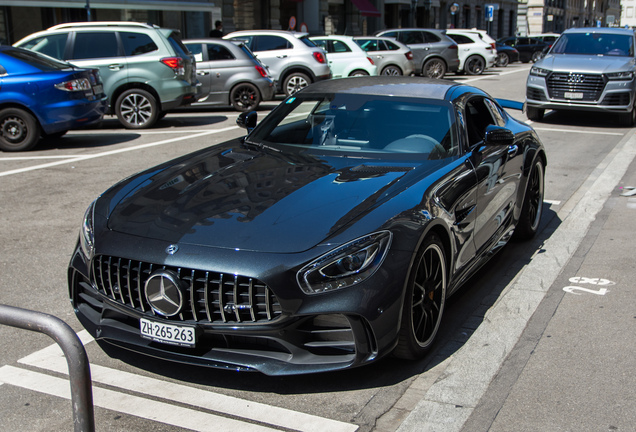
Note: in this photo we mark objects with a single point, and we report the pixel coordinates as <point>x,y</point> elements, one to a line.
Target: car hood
<point>259,200</point>
<point>585,63</point>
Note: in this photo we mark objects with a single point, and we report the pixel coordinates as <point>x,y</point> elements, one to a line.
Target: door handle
<point>512,150</point>
<point>203,73</point>
<point>115,67</point>
<point>282,56</point>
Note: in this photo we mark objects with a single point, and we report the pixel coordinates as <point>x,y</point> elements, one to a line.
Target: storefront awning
<point>366,8</point>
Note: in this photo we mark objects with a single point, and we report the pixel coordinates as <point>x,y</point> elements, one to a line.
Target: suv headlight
<point>87,234</point>
<point>622,76</point>
<point>346,265</point>
<point>539,72</point>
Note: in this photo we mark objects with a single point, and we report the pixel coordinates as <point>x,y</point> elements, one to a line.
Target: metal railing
<point>78,367</point>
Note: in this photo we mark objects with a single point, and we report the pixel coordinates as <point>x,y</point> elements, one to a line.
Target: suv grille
<point>208,296</point>
<point>591,86</point>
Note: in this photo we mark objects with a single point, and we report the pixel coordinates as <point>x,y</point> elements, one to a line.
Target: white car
<point>475,54</point>
<point>345,57</point>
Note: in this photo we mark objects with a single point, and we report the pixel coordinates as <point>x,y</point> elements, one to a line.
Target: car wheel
<point>536,56</point>
<point>532,204</point>
<point>19,130</point>
<point>245,97</point>
<point>503,60</point>
<point>474,65</point>
<point>423,301</point>
<point>392,70</point>
<point>627,119</point>
<point>357,73</point>
<point>535,114</point>
<point>294,82</point>
<point>434,68</point>
<point>137,109</point>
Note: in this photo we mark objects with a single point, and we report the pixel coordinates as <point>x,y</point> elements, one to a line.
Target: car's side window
<point>137,43</point>
<point>461,39</point>
<point>392,35</point>
<point>196,50</point>
<point>95,45</point>
<point>431,37</point>
<point>412,37</point>
<point>51,45</point>
<point>478,117</point>
<point>340,47</point>
<point>270,43</point>
<point>219,52</point>
<point>369,44</point>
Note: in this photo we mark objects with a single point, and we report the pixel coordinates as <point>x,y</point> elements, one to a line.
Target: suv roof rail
<point>102,24</point>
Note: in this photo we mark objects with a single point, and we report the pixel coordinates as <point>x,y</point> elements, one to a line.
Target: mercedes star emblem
<point>163,292</point>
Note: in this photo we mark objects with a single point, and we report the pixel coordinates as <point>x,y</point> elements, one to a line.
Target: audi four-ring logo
<point>164,293</point>
<point>576,78</point>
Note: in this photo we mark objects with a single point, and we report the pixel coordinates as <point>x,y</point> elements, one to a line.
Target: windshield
<point>357,124</point>
<point>40,61</point>
<point>595,43</point>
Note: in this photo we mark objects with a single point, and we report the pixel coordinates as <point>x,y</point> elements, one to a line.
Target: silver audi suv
<point>587,69</point>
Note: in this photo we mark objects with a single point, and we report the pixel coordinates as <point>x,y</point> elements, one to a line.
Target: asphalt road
<point>45,193</point>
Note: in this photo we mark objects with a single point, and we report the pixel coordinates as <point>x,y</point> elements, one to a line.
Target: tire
<point>503,60</point>
<point>434,68</point>
<point>245,97</point>
<point>137,109</point>
<point>358,73</point>
<point>294,82</point>
<point>627,119</point>
<point>535,114</point>
<point>424,301</point>
<point>474,65</point>
<point>532,209</point>
<point>19,130</point>
<point>536,56</point>
<point>391,70</point>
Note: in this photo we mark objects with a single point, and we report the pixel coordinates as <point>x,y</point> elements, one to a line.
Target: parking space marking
<point>586,132</point>
<point>52,359</point>
<point>113,152</point>
<point>483,77</point>
<point>128,404</point>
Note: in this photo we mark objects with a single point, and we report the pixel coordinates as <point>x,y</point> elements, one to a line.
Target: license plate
<point>168,333</point>
<point>98,89</point>
<point>573,95</point>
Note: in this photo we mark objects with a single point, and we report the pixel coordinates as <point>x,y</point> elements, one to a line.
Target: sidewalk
<point>545,358</point>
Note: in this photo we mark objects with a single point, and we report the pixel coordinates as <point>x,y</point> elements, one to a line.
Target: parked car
<point>146,69</point>
<point>330,237</point>
<point>475,55</point>
<point>506,55</point>
<point>345,57</point>
<point>530,50</point>
<point>43,97</point>
<point>587,69</point>
<point>434,53</point>
<point>390,56</point>
<point>294,61</point>
<point>230,74</point>
<point>549,38</point>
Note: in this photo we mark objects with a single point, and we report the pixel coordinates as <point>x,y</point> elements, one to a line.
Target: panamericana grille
<point>209,296</point>
<point>562,85</point>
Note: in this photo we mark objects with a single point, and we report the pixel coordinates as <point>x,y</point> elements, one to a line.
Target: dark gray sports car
<point>329,237</point>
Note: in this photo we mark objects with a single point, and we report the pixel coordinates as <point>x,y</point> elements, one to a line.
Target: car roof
<point>412,29</point>
<point>606,30</point>
<point>266,32</point>
<point>93,24</point>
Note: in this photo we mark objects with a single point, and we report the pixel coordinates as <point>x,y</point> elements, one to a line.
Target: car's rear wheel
<point>294,82</point>
<point>474,65</point>
<point>535,114</point>
<point>245,97</point>
<point>503,60</point>
<point>392,70</point>
<point>19,130</point>
<point>434,68</point>
<point>137,109</point>
<point>532,209</point>
<point>424,300</point>
<point>359,72</point>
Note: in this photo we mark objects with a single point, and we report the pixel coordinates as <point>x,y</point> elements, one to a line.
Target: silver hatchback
<point>587,69</point>
<point>390,56</point>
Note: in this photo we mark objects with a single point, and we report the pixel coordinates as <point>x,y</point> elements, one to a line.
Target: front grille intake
<point>208,296</point>
<point>575,87</point>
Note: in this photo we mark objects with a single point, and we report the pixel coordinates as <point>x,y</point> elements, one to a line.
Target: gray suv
<point>587,69</point>
<point>293,60</point>
<point>434,53</point>
<point>146,69</point>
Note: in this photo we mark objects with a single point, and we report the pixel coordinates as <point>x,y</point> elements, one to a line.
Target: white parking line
<point>586,132</point>
<point>52,359</point>
<point>483,77</point>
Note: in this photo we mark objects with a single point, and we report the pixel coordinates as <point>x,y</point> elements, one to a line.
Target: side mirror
<point>497,135</point>
<point>247,120</point>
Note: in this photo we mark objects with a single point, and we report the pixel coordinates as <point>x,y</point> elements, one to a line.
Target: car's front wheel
<point>424,300</point>
<point>532,209</point>
<point>19,130</point>
<point>627,119</point>
<point>474,65</point>
<point>536,56</point>
<point>294,82</point>
<point>245,97</point>
<point>535,114</point>
<point>503,60</point>
<point>434,68</point>
<point>137,109</point>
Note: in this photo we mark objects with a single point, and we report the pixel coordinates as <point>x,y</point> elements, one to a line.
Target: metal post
<point>78,367</point>
<point>88,10</point>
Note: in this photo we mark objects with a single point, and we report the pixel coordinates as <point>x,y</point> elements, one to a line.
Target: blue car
<point>44,97</point>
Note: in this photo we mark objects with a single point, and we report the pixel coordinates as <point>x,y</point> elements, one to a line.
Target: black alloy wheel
<point>424,300</point>
<point>532,209</point>
<point>245,97</point>
<point>475,65</point>
<point>19,130</point>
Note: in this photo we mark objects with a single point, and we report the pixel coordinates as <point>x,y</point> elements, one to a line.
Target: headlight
<point>624,76</point>
<point>347,265</point>
<point>539,72</point>
<point>87,235</point>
